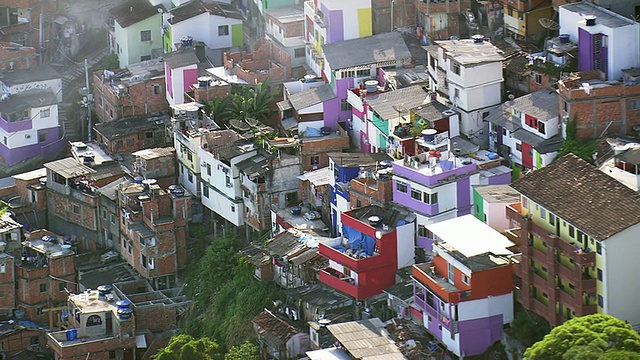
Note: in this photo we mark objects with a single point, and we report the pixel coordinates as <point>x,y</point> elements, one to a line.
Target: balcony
<point>539,281</point>
<point>578,255</point>
<point>567,299</point>
<point>514,212</point>
<point>351,262</point>
<point>59,340</point>
<point>437,284</point>
<point>513,235</point>
<point>341,282</point>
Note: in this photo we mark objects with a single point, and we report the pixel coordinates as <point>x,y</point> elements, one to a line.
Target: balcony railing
<point>340,282</point>
<point>357,265</point>
<point>59,339</point>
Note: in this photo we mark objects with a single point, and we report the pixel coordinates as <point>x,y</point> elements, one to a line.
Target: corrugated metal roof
<point>366,340</point>
<point>68,168</point>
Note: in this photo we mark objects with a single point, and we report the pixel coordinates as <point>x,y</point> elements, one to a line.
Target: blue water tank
<point>72,334</point>
<point>492,156</point>
<point>138,179</point>
<point>296,210</point>
<point>123,304</point>
<point>125,314</point>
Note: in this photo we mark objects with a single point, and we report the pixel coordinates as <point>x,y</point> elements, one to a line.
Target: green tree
<point>219,110</point>
<point>226,295</point>
<point>571,144</point>
<point>596,336</point>
<point>246,351</point>
<point>110,62</point>
<point>528,327</point>
<point>185,347</point>
<point>247,102</point>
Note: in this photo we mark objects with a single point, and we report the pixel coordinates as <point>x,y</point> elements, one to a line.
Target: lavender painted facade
<point>478,334</point>
<point>14,126</point>
<point>463,189</point>
<point>331,113</point>
<point>52,145</point>
<point>335,24</point>
<point>431,180</point>
<point>500,179</point>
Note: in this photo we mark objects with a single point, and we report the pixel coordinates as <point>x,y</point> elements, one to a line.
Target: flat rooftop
<point>90,153</point>
<point>603,16</point>
<point>366,339</point>
<point>470,237</point>
<point>469,52</point>
<point>89,302</point>
<point>306,220</point>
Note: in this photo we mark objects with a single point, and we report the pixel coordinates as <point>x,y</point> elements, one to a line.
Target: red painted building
<point>375,243</point>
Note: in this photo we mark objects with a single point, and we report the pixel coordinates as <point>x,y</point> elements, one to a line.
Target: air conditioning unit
<point>27,136</point>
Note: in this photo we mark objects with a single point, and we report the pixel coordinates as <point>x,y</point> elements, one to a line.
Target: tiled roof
<point>388,103</point>
<point>311,97</point>
<point>195,8</point>
<point>368,50</point>
<point>123,127</point>
<point>579,193</point>
<point>25,76</point>
<point>133,11</point>
<point>348,160</point>
<point>274,325</point>
<point>180,58</point>
<point>542,104</point>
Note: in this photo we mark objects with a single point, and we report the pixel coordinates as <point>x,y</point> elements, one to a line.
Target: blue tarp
<point>446,165</point>
<point>313,132</point>
<point>358,240</point>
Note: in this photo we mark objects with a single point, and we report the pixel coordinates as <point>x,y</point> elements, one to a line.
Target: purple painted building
<point>464,296</point>
<point>29,124</point>
<point>436,183</point>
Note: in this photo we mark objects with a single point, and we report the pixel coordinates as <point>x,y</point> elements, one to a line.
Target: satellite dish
<point>239,125</point>
<point>252,122</point>
<point>549,24</point>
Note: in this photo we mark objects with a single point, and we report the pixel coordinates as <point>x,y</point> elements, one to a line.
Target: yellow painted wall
<point>365,22</point>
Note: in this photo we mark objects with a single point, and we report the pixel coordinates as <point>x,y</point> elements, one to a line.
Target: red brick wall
<point>367,190</point>
<point>320,148</point>
<point>139,99</point>
<point>22,58</point>
<point>20,339</point>
<point>7,285</point>
<point>603,105</point>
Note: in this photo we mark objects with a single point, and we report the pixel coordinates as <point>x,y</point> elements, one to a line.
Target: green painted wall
<point>167,40</point>
<point>237,35</point>
<point>478,206</point>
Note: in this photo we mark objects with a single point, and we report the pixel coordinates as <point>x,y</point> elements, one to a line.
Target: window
<point>76,209</point>
<point>465,279</point>
<point>541,128</point>
<point>456,93</point>
<point>233,208</point>
<point>422,231</point>
<point>143,261</point>
<point>62,286</point>
<point>416,194</point>
<point>205,190</point>
<point>155,89</point>
<point>148,135</point>
<point>543,214</point>
<point>299,53</point>
<point>633,104</point>
<point>430,199</point>
<point>3,268</point>
<point>40,311</point>
<point>565,106</point>
<point>600,274</point>
<point>344,105</point>
<point>45,113</point>
<point>450,275</point>
<point>572,231</point>
<point>190,176</point>
<point>223,30</point>
<point>113,219</point>
<point>315,160</point>
<point>189,156</point>
<point>145,57</point>
<point>599,248</point>
<point>552,219</point>
<point>42,136</point>
<point>401,186</point>
<point>145,35</point>
<point>520,15</point>
<point>43,288</point>
<point>94,320</point>
<point>580,236</point>
<point>112,354</point>
<point>518,146</point>
<point>209,169</point>
<point>538,78</point>
<point>597,44</point>
<point>455,68</point>
<point>600,301</point>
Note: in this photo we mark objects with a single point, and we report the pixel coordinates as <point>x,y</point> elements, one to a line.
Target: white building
<point>527,130</point>
<point>606,41</point>
<point>217,25</point>
<point>334,21</point>
<point>220,153</point>
<point>473,69</point>
<point>29,123</point>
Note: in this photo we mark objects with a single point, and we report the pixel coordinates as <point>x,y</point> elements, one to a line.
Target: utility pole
<point>40,36</point>
<point>88,99</point>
